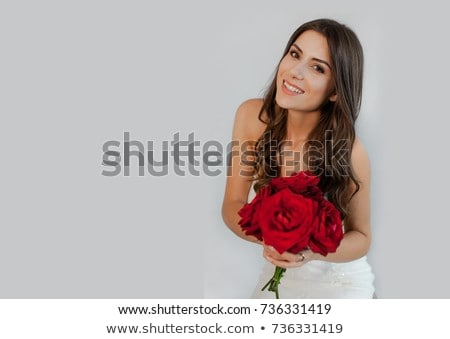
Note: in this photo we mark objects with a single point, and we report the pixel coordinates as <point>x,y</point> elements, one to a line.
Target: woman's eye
<point>319,69</point>
<point>294,54</point>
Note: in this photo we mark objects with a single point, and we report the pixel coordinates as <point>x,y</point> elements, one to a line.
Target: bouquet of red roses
<point>291,214</point>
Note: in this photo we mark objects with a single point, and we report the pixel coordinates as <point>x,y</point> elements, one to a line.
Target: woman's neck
<point>299,125</point>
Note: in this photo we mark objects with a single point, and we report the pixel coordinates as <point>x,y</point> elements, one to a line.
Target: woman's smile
<point>291,89</point>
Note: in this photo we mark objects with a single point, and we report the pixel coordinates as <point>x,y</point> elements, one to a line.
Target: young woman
<point>312,103</point>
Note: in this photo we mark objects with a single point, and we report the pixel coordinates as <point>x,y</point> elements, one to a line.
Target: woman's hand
<point>286,259</point>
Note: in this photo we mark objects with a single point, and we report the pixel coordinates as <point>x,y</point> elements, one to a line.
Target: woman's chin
<point>284,103</point>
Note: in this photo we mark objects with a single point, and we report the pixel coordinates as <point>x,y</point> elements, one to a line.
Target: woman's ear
<point>333,98</point>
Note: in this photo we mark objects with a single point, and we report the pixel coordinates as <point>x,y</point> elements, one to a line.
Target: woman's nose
<point>298,71</point>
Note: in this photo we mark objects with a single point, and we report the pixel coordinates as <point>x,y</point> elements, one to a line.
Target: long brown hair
<point>336,119</point>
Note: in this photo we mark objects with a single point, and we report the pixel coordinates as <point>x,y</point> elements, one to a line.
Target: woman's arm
<point>357,237</point>
<point>246,130</point>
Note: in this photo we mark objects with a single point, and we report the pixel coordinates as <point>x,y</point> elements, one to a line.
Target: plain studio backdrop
<point>77,75</point>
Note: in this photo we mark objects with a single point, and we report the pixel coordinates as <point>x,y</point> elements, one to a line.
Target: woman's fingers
<point>284,263</point>
<point>285,259</point>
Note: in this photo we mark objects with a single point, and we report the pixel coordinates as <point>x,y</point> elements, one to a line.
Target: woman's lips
<point>291,89</point>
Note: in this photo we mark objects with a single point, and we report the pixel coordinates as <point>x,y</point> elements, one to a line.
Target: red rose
<point>304,183</point>
<point>291,214</point>
<point>328,235</point>
<point>287,220</point>
<point>249,214</point>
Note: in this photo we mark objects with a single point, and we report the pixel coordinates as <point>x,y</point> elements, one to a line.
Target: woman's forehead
<point>314,44</point>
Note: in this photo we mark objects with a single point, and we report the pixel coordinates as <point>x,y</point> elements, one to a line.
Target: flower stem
<point>275,281</point>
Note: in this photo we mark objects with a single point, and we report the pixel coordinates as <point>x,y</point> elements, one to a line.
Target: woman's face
<point>304,79</point>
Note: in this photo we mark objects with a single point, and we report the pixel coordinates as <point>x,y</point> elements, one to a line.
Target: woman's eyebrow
<point>316,59</point>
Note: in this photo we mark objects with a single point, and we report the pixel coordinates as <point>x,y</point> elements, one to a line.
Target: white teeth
<point>292,89</point>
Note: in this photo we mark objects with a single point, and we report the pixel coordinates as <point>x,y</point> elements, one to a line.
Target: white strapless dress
<point>319,279</point>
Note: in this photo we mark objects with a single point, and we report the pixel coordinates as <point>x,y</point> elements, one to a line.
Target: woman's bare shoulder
<point>359,151</point>
<point>247,123</point>
<point>360,159</point>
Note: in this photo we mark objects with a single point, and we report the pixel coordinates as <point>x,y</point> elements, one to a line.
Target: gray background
<point>75,75</point>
